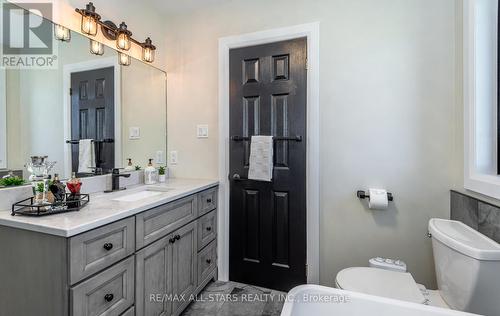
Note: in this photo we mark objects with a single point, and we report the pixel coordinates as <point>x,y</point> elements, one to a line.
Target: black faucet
<point>115,180</point>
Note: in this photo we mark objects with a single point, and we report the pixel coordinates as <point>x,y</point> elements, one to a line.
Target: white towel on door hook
<point>86,156</point>
<point>261,158</point>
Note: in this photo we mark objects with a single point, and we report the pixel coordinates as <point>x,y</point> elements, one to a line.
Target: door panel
<point>268,219</point>
<point>184,265</point>
<point>92,114</point>
<point>154,276</point>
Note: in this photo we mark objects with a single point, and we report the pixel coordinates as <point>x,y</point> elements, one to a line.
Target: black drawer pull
<point>108,246</point>
<point>177,237</point>
<point>209,261</point>
<point>209,200</point>
<point>209,228</point>
<point>108,297</point>
<point>171,240</point>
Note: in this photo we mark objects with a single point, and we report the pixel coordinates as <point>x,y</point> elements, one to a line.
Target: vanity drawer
<point>207,201</point>
<point>111,292</point>
<point>207,229</point>
<point>97,249</point>
<point>207,261</point>
<point>162,220</point>
<point>129,312</point>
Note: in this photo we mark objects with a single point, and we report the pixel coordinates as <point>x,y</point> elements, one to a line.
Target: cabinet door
<point>184,266</point>
<point>154,278</point>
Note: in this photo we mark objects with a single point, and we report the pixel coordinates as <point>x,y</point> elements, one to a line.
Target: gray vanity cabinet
<point>148,264</point>
<point>166,273</point>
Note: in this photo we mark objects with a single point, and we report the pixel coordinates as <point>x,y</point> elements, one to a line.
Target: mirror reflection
<point>89,114</point>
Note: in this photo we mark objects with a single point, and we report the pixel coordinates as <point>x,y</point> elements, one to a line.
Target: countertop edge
<point>106,220</point>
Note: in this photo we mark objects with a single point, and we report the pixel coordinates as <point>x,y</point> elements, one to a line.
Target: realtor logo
<point>27,38</point>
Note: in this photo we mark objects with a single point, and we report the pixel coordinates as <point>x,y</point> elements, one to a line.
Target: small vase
<point>162,178</point>
<point>40,191</point>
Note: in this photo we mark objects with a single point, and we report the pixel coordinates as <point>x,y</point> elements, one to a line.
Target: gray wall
<point>389,105</point>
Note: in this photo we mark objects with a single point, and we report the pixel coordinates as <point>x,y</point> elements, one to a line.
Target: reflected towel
<point>261,158</point>
<point>86,156</point>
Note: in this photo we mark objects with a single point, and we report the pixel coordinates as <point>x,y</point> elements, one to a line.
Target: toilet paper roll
<point>378,199</point>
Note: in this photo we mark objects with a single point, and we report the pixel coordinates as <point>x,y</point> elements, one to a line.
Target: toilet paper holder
<point>362,195</point>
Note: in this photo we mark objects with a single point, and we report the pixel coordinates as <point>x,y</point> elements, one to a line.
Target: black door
<point>93,114</point>
<point>268,219</point>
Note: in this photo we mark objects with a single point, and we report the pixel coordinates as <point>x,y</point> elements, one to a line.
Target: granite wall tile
<point>464,209</point>
<point>489,221</point>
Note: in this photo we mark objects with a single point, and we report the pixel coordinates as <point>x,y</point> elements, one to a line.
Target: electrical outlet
<point>159,157</point>
<point>173,157</point>
<point>202,131</point>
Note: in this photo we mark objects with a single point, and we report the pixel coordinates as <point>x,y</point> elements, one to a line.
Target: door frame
<point>84,66</point>
<point>311,32</point>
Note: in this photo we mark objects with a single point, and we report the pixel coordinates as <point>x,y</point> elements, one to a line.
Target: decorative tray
<point>71,203</point>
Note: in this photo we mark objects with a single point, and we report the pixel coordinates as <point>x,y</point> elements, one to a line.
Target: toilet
<point>467,267</point>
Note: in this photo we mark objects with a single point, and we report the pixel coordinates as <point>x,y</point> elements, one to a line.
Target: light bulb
<point>96,48</point>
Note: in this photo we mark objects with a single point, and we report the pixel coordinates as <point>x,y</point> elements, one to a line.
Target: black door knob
<point>209,200</point>
<point>177,237</point>
<point>108,246</point>
<point>171,240</point>
<point>108,297</point>
<point>209,228</point>
<point>209,261</point>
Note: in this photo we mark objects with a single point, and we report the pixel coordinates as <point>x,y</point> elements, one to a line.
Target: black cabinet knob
<point>108,297</point>
<point>209,200</point>
<point>209,261</point>
<point>171,240</point>
<point>108,246</point>
<point>177,237</point>
<point>209,228</point>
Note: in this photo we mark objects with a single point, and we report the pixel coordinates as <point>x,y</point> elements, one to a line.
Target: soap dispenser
<point>150,173</point>
<point>129,166</point>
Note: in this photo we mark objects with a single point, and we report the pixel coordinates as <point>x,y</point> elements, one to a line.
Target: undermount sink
<point>148,192</point>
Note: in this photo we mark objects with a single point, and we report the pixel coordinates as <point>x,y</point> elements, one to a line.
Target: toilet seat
<point>385,283</point>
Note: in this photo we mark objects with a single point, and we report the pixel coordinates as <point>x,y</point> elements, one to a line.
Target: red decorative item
<point>74,187</point>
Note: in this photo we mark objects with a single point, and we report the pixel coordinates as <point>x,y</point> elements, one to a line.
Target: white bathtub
<point>304,301</point>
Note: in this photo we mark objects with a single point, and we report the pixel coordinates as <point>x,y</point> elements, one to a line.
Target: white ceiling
<point>182,6</point>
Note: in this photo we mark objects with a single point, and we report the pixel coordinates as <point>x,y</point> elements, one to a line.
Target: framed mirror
<point>89,113</point>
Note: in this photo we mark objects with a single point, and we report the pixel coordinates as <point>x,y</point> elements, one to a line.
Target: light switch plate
<point>134,133</point>
<point>202,131</point>
<point>173,157</point>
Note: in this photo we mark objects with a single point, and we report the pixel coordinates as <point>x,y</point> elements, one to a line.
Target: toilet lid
<point>385,283</point>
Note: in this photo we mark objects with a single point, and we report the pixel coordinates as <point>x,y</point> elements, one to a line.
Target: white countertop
<point>103,209</point>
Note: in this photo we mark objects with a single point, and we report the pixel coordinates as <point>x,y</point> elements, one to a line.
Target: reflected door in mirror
<point>92,114</point>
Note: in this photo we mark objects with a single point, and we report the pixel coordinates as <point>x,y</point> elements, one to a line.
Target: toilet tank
<point>467,267</point>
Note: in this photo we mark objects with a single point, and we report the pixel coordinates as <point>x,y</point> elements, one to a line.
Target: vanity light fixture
<point>90,19</point>
<point>62,33</point>
<point>148,51</point>
<point>123,59</point>
<point>96,48</point>
<point>123,37</point>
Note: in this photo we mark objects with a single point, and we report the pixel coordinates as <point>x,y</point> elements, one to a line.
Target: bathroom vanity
<point>126,253</point>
